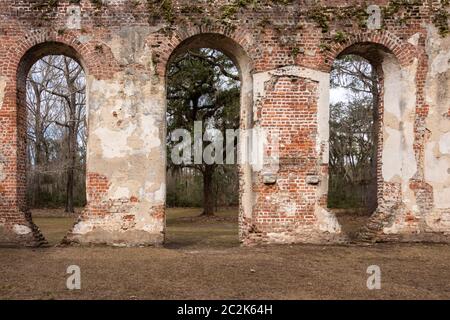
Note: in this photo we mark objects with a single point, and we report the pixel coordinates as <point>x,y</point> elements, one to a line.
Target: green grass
<point>184,228</point>
<point>54,228</point>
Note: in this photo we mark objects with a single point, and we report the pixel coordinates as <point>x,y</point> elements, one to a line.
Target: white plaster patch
<point>150,133</point>
<point>73,17</point>
<point>437,147</point>
<point>414,39</point>
<point>436,168</point>
<point>2,172</point>
<point>287,206</point>
<point>114,143</point>
<point>160,195</point>
<point>394,229</point>
<point>442,198</point>
<point>392,167</point>
<point>83,227</point>
<point>84,38</point>
<point>128,44</point>
<point>398,157</point>
<point>121,192</point>
<point>145,222</point>
<point>441,63</point>
<point>436,173</point>
<point>444,143</point>
<point>283,238</point>
<point>134,107</point>
<point>157,196</point>
<point>107,89</point>
<point>2,90</point>
<point>21,229</point>
<point>327,221</point>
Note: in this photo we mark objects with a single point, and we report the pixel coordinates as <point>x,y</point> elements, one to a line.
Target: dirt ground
<point>203,260</point>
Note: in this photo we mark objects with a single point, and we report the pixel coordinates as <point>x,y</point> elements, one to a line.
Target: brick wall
<point>124,47</point>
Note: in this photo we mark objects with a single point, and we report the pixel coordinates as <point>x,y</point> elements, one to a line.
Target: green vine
<point>324,16</point>
<point>440,20</point>
<point>394,6</point>
<point>97,3</point>
<point>340,37</point>
<point>46,4</point>
<point>192,9</point>
<point>164,8</point>
<point>295,52</point>
<point>46,8</point>
<point>319,16</point>
<point>230,10</point>
<point>324,47</point>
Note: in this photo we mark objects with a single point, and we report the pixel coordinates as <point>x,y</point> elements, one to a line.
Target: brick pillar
<point>16,226</point>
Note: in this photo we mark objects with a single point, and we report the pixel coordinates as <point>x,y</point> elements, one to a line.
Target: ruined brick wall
<point>284,50</point>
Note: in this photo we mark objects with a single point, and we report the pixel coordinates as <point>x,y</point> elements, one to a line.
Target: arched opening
<point>52,127</point>
<point>356,133</point>
<point>209,95</point>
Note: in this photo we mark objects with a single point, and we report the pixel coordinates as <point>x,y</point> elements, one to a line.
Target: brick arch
<point>96,59</point>
<point>19,58</point>
<point>241,39</point>
<point>403,51</point>
<point>236,45</point>
<point>378,48</point>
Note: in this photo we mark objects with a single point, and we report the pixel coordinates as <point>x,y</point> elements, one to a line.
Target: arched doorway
<point>354,121</point>
<point>392,162</point>
<point>52,138</point>
<point>235,65</point>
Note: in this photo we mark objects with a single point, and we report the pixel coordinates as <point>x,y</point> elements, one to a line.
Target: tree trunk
<point>208,198</point>
<point>372,192</point>
<point>73,129</point>
<point>39,142</point>
<point>70,170</point>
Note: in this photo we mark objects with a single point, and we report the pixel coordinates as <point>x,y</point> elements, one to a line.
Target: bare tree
<point>57,120</point>
<point>354,133</point>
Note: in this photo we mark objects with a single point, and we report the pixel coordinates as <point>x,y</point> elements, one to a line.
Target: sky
<point>338,94</point>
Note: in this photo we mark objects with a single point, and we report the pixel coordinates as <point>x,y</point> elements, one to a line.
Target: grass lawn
<point>203,260</point>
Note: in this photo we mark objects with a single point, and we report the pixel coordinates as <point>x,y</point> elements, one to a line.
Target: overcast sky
<point>338,94</point>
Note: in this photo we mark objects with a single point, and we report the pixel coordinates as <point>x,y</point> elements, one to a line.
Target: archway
<point>217,47</point>
<point>393,151</point>
<point>51,109</point>
<point>354,129</point>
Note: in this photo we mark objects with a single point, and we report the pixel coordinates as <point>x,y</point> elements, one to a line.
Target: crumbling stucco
<point>2,171</point>
<point>129,45</point>
<point>127,129</point>
<point>73,17</point>
<point>437,144</point>
<point>21,229</point>
<point>437,148</point>
<point>2,89</point>
<point>399,162</point>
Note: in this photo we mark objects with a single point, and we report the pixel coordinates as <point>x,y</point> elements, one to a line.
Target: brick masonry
<point>284,50</point>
